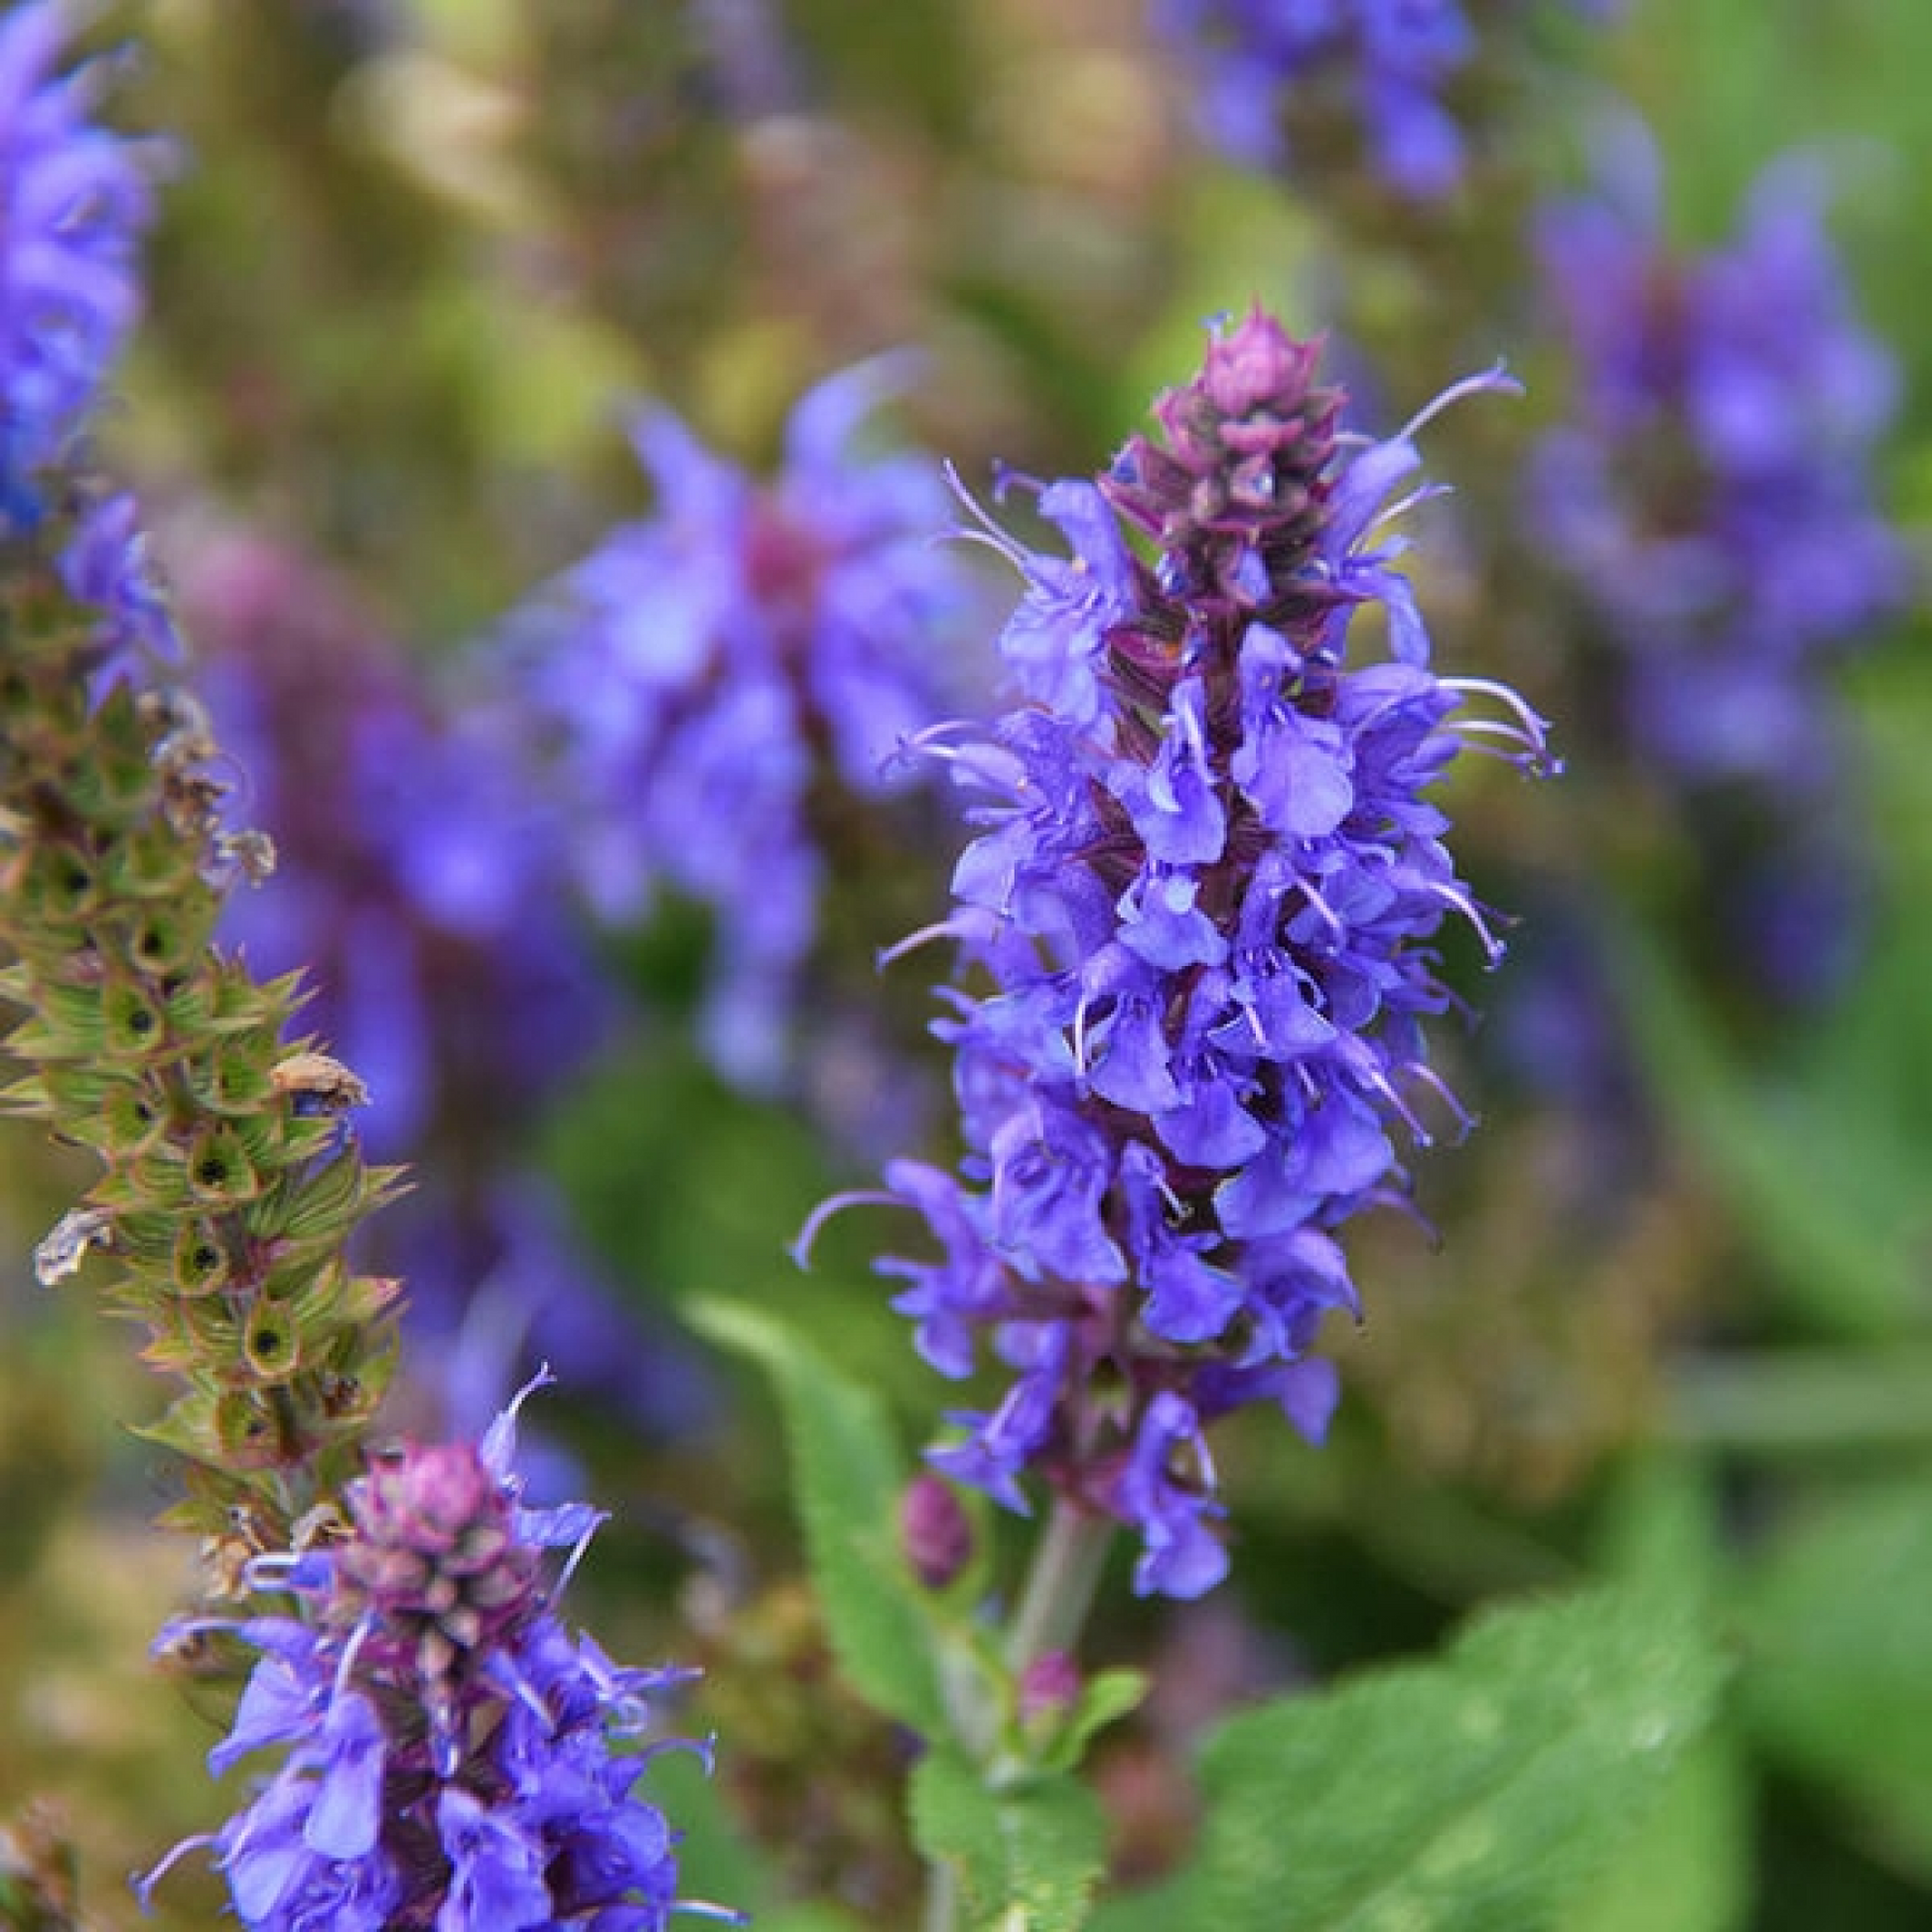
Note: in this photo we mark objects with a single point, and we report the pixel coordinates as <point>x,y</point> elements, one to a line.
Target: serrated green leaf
<point>1469,1793</point>
<point>1836,1680</point>
<point>1026,1860</point>
<point>849,1477</point>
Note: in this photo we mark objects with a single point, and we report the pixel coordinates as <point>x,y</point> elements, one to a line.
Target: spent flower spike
<point>1200,900</point>
<point>417,860</point>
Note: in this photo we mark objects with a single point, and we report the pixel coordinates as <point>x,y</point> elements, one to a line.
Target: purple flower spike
<point>1386,64</point>
<point>1196,915</point>
<point>726,664</point>
<point>453,1758</point>
<point>74,200</point>
<point>1711,495</point>
<point>1712,502</point>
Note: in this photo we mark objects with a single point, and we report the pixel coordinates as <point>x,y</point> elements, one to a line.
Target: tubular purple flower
<point>1196,913</point>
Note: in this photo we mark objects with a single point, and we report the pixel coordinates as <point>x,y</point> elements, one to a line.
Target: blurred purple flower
<point>1200,902</point>
<point>454,1756</point>
<point>1711,494</point>
<point>1391,61</point>
<point>418,858</point>
<point>419,884</point>
<point>709,671</point>
<point>1710,498</point>
<point>75,201</point>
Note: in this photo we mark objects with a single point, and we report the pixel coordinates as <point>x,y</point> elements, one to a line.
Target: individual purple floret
<point>1199,908</point>
<point>1711,494</point>
<point>452,1755</point>
<point>75,201</point>
<point>708,672</point>
<point>1387,61</point>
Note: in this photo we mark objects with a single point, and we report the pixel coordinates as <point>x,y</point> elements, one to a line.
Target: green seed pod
<point>232,1082</point>
<point>197,1340</point>
<point>58,886</point>
<point>151,865</point>
<point>271,1341</point>
<point>219,1169</point>
<point>200,1259</point>
<point>162,941</point>
<point>134,1118</point>
<point>133,1026</point>
<point>191,1006</point>
<point>239,1005</point>
<point>249,1430</point>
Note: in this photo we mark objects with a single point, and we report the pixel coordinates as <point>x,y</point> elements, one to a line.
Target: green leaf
<point>1840,1250</point>
<point>1659,1526</point>
<point>1475,1791</point>
<point>1837,1674</point>
<point>1026,1859</point>
<point>1686,1867</point>
<point>1106,1698</point>
<point>849,1477</point>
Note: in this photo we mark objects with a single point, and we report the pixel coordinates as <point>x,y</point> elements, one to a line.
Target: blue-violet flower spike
<point>1389,65</point>
<point>735,660</point>
<point>455,1759</point>
<point>74,200</point>
<point>1196,920</point>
